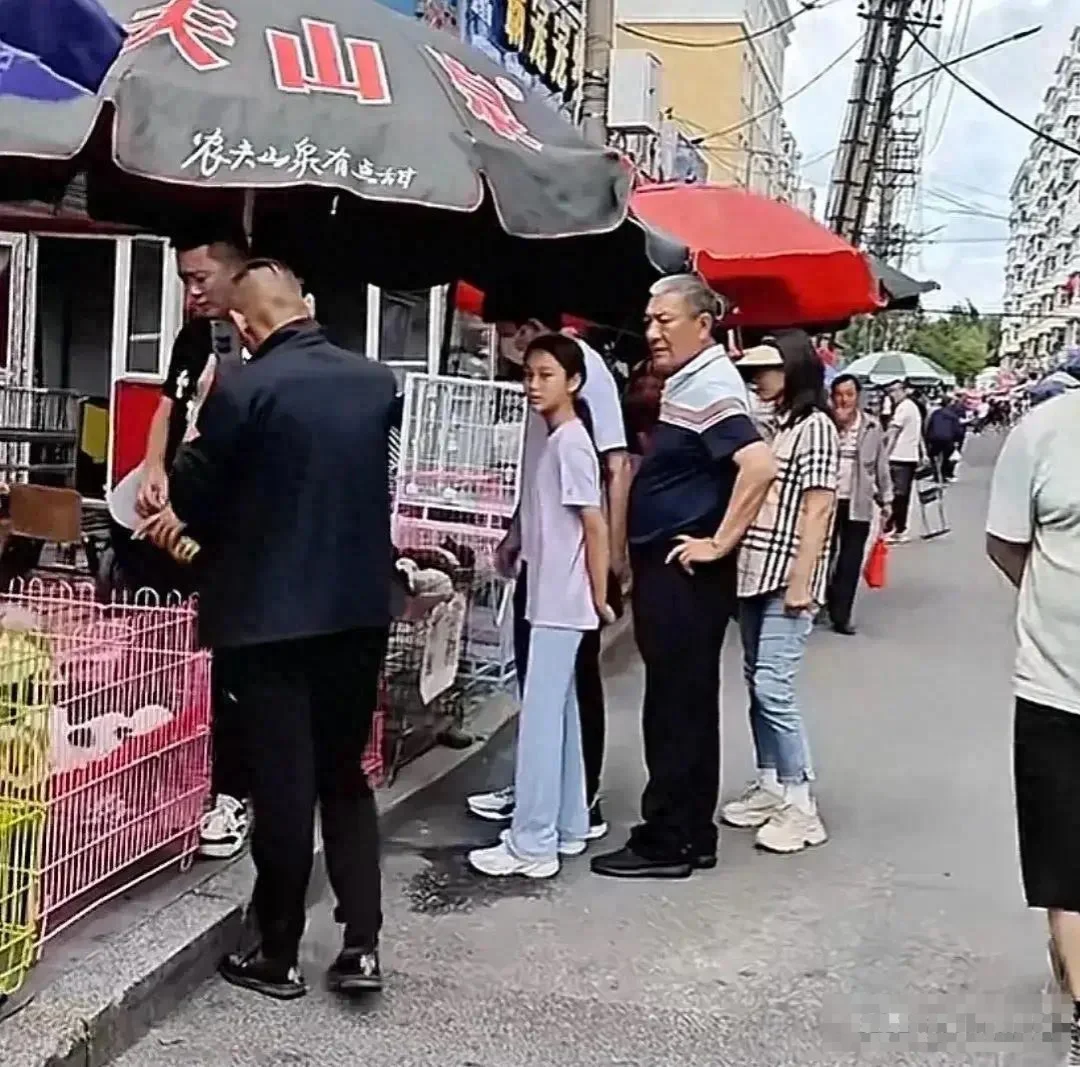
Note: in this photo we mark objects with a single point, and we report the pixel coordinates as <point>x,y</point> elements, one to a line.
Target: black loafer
<point>705,861</point>
<point>271,978</point>
<point>356,970</point>
<point>844,628</point>
<point>626,863</point>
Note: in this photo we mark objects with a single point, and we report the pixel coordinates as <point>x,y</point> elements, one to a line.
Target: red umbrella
<point>776,265</point>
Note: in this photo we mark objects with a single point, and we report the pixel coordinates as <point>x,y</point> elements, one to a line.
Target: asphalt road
<point>902,941</point>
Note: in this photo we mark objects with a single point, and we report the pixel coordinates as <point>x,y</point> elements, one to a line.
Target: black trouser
<point>590,686</point>
<point>848,549</point>
<point>941,456</point>
<point>229,770</point>
<point>903,475</point>
<point>309,705</point>
<point>679,624</point>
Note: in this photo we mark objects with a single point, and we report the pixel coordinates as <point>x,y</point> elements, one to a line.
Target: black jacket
<point>286,489</point>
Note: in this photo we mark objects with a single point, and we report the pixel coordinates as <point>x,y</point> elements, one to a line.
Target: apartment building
<point>728,96</point>
<point>1042,267</point>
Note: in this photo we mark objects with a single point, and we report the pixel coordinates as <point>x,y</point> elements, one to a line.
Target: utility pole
<point>599,34</point>
<point>866,139</point>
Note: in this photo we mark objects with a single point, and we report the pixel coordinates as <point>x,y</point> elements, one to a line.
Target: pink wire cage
<point>129,733</point>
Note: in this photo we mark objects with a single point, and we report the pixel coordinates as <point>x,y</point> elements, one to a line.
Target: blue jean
<point>549,776</point>
<point>773,646</point>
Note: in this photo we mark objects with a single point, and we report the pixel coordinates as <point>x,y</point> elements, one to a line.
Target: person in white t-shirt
<point>601,396</point>
<point>906,452</point>
<point>1033,537</point>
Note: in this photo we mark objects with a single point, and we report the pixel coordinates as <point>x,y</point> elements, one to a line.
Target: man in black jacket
<point>285,488</point>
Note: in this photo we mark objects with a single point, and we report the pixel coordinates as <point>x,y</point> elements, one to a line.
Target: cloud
<point>975,152</point>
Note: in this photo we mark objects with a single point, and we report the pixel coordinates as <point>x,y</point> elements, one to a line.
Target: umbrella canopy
<point>391,141</point>
<point>73,42</point>
<point>901,291</point>
<point>775,264</point>
<point>881,368</point>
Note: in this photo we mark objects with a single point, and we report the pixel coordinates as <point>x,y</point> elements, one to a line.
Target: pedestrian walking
<point>207,260</point>
<point>783,567</point>
<point>698,488</point>
<point>285,487</point>
<point>565,539</point>
<point>600,394</point>
<point>945,434</point>
<point>905,454</point>
<point>1033,537</point>
<point>863,483</point>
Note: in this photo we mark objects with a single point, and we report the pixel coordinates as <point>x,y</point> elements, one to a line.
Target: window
<point>145,307</point>
<point>405,317</point>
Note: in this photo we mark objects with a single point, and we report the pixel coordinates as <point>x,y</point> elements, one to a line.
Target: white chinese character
<point>364,171</point>
<point>209,153</point>
<point>243,155</point>
<point>405,177</point>
<point>305,158</point>
<point>338,162</point>
<point>387,177</point>
<point>273,158</point>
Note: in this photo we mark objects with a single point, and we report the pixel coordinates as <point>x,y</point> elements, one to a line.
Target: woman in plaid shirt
<point>782,575</point>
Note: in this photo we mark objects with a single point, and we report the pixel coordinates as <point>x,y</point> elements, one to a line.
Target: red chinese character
<point>191,25</point>
<point>317,64</point>
<point>486,101</point>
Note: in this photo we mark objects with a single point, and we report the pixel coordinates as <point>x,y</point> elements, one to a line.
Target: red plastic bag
<point>877,565</point>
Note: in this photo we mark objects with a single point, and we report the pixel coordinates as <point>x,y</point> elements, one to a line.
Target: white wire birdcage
<point>461,446</point>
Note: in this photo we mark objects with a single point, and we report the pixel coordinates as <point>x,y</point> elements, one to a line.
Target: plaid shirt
<point>807,457</point>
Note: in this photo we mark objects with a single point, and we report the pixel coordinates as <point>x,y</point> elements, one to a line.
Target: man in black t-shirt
<point>207,266</point>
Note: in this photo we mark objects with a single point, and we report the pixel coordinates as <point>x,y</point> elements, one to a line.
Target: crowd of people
<point>726,490</point>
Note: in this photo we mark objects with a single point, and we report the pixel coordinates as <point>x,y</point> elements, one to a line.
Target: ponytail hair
<point>570,356</point>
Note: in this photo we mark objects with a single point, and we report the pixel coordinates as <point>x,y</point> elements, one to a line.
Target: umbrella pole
<point>248,218</point>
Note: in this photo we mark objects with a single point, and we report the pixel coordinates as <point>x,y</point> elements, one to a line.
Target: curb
<point>134,979</point>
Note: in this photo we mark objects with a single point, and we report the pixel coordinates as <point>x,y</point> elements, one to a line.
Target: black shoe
<point>704,861</point>
<point>844,628</point>
<point>254,971</point>
<point>356,970</point>
<point>598,826</point>
<point>626,863</point>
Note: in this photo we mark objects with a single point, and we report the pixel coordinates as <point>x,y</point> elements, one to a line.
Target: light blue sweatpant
<point>549,777</point>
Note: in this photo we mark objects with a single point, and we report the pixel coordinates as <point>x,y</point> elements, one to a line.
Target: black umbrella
<point>397,146</point>
<point>902,290</point>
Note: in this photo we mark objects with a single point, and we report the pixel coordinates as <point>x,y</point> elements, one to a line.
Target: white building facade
<point>1042,268</point>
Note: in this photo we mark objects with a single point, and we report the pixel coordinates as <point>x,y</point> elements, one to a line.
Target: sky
<point>973,153</point>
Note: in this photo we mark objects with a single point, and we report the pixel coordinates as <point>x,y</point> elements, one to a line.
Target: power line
<point>951,91</point>
<point>1074,149</point>
<point>730,41</point>
<point>784,99</point>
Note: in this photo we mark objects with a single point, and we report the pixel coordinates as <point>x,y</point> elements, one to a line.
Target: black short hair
<point>222,238</point>
<point>843,379</point>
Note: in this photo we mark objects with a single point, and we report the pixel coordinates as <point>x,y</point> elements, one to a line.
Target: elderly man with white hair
<point>698,489</point>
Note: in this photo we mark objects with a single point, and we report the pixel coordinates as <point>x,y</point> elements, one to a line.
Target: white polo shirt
<point>609,431</point>
<point>1035,499</point>
<point>907,418</point>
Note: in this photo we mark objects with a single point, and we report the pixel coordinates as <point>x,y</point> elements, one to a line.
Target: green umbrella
<point>881,368</point>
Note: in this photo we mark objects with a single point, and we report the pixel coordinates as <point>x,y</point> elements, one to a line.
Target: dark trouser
<point>941,456</point>
<point>229,773</point>
<point>849,547</point>
<point>903,475</point>
<point>679,624</point>
<point>310,703</point>
<point>590,686</point>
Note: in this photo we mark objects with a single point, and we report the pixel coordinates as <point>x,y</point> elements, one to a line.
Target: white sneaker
<point>500,862</point>
<point>566,848</point>
<point>224,830</point>
<point>497,806</point>
<point>754,808</point>
<point>899,538</point>
<point>792,830</point>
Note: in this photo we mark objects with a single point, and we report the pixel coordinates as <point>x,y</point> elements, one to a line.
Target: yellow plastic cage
<point>26,681</point>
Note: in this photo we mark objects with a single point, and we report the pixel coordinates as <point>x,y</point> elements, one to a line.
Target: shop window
<point>405,329</point>
<point>472,347</point>
<point>145,307</point>
<point>7,263</point>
